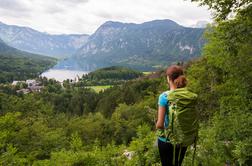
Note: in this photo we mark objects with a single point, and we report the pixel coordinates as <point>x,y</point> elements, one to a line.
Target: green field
<point>100,88</point>
<point>147,72</point>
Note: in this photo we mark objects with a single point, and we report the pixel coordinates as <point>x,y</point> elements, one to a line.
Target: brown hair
<point>176,75</point>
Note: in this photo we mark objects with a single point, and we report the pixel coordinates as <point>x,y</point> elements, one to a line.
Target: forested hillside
<point>73,125</point>
<point>109,76</point>
<point>59,123</point>
<point>20,65</point>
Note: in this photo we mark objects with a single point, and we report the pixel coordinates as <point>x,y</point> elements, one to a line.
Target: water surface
<point>63,74</point>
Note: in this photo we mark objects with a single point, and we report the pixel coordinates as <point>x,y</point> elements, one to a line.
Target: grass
<point>147,72</point>
<point>100,88</point>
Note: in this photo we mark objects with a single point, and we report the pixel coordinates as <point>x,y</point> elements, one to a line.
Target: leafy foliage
<point>73,125</point>
<point>109,76</point>
<point>67,125</point>
<point>222,9</point>
<point>222,78</point>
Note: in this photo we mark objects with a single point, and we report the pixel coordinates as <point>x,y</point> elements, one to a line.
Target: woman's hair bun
<point>181,81</point>
<point>176,74</point>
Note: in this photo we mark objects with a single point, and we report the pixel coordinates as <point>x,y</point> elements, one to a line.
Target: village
<point>28,86</point>
<point>32,85</point>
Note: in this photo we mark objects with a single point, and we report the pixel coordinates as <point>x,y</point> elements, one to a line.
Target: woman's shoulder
<point>163,99</point>
<point>164,94</point>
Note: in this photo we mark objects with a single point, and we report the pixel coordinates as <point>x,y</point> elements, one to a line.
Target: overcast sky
<point>85,16</point>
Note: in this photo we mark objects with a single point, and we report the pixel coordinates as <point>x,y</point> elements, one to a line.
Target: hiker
<point>172,144</point>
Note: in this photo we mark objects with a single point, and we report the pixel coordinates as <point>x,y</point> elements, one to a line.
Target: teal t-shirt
<point>163,102</point>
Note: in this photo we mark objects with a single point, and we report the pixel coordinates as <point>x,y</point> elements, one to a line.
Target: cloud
<point>85,16</point>
<point>73,1</point>
<point>54,9</point>
<point>13,5</point>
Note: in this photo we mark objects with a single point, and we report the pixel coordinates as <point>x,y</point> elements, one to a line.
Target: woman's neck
<point>172,86</point>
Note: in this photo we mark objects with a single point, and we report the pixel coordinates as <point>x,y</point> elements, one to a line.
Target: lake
<point>63,74</point>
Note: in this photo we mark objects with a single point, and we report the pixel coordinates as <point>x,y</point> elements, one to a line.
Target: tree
<point>223,80</point>
<point>224,8</point>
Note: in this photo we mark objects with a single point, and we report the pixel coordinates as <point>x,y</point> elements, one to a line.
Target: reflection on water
<point>62,74</point>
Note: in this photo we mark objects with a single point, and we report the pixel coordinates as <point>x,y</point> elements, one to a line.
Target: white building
<point>31,82</point>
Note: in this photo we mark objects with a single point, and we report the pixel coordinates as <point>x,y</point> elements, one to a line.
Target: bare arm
<point>161,116</point>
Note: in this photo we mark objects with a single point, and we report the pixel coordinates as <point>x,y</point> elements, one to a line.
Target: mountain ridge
<point>141,46</point>
<point>30,40</point>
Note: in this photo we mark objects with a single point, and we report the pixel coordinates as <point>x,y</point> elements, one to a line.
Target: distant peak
<point>113,23</point>
<point>153,23</point>
<point>161,21</point>
<point>165,22</point>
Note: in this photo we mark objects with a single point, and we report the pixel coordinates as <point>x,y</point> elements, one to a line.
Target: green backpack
<point>183,119</point>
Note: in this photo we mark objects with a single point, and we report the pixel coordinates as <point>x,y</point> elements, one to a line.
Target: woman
<point>175,79</point>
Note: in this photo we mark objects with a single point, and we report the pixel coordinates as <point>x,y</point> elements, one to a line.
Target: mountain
<point>145,46</point>
<point>21,65</point>
<point>33,41</point>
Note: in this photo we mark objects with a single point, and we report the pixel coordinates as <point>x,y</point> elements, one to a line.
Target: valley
<point>95,99</point>
<point>148,46</point>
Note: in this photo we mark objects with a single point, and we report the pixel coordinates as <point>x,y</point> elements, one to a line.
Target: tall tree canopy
<point>223,8</point>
